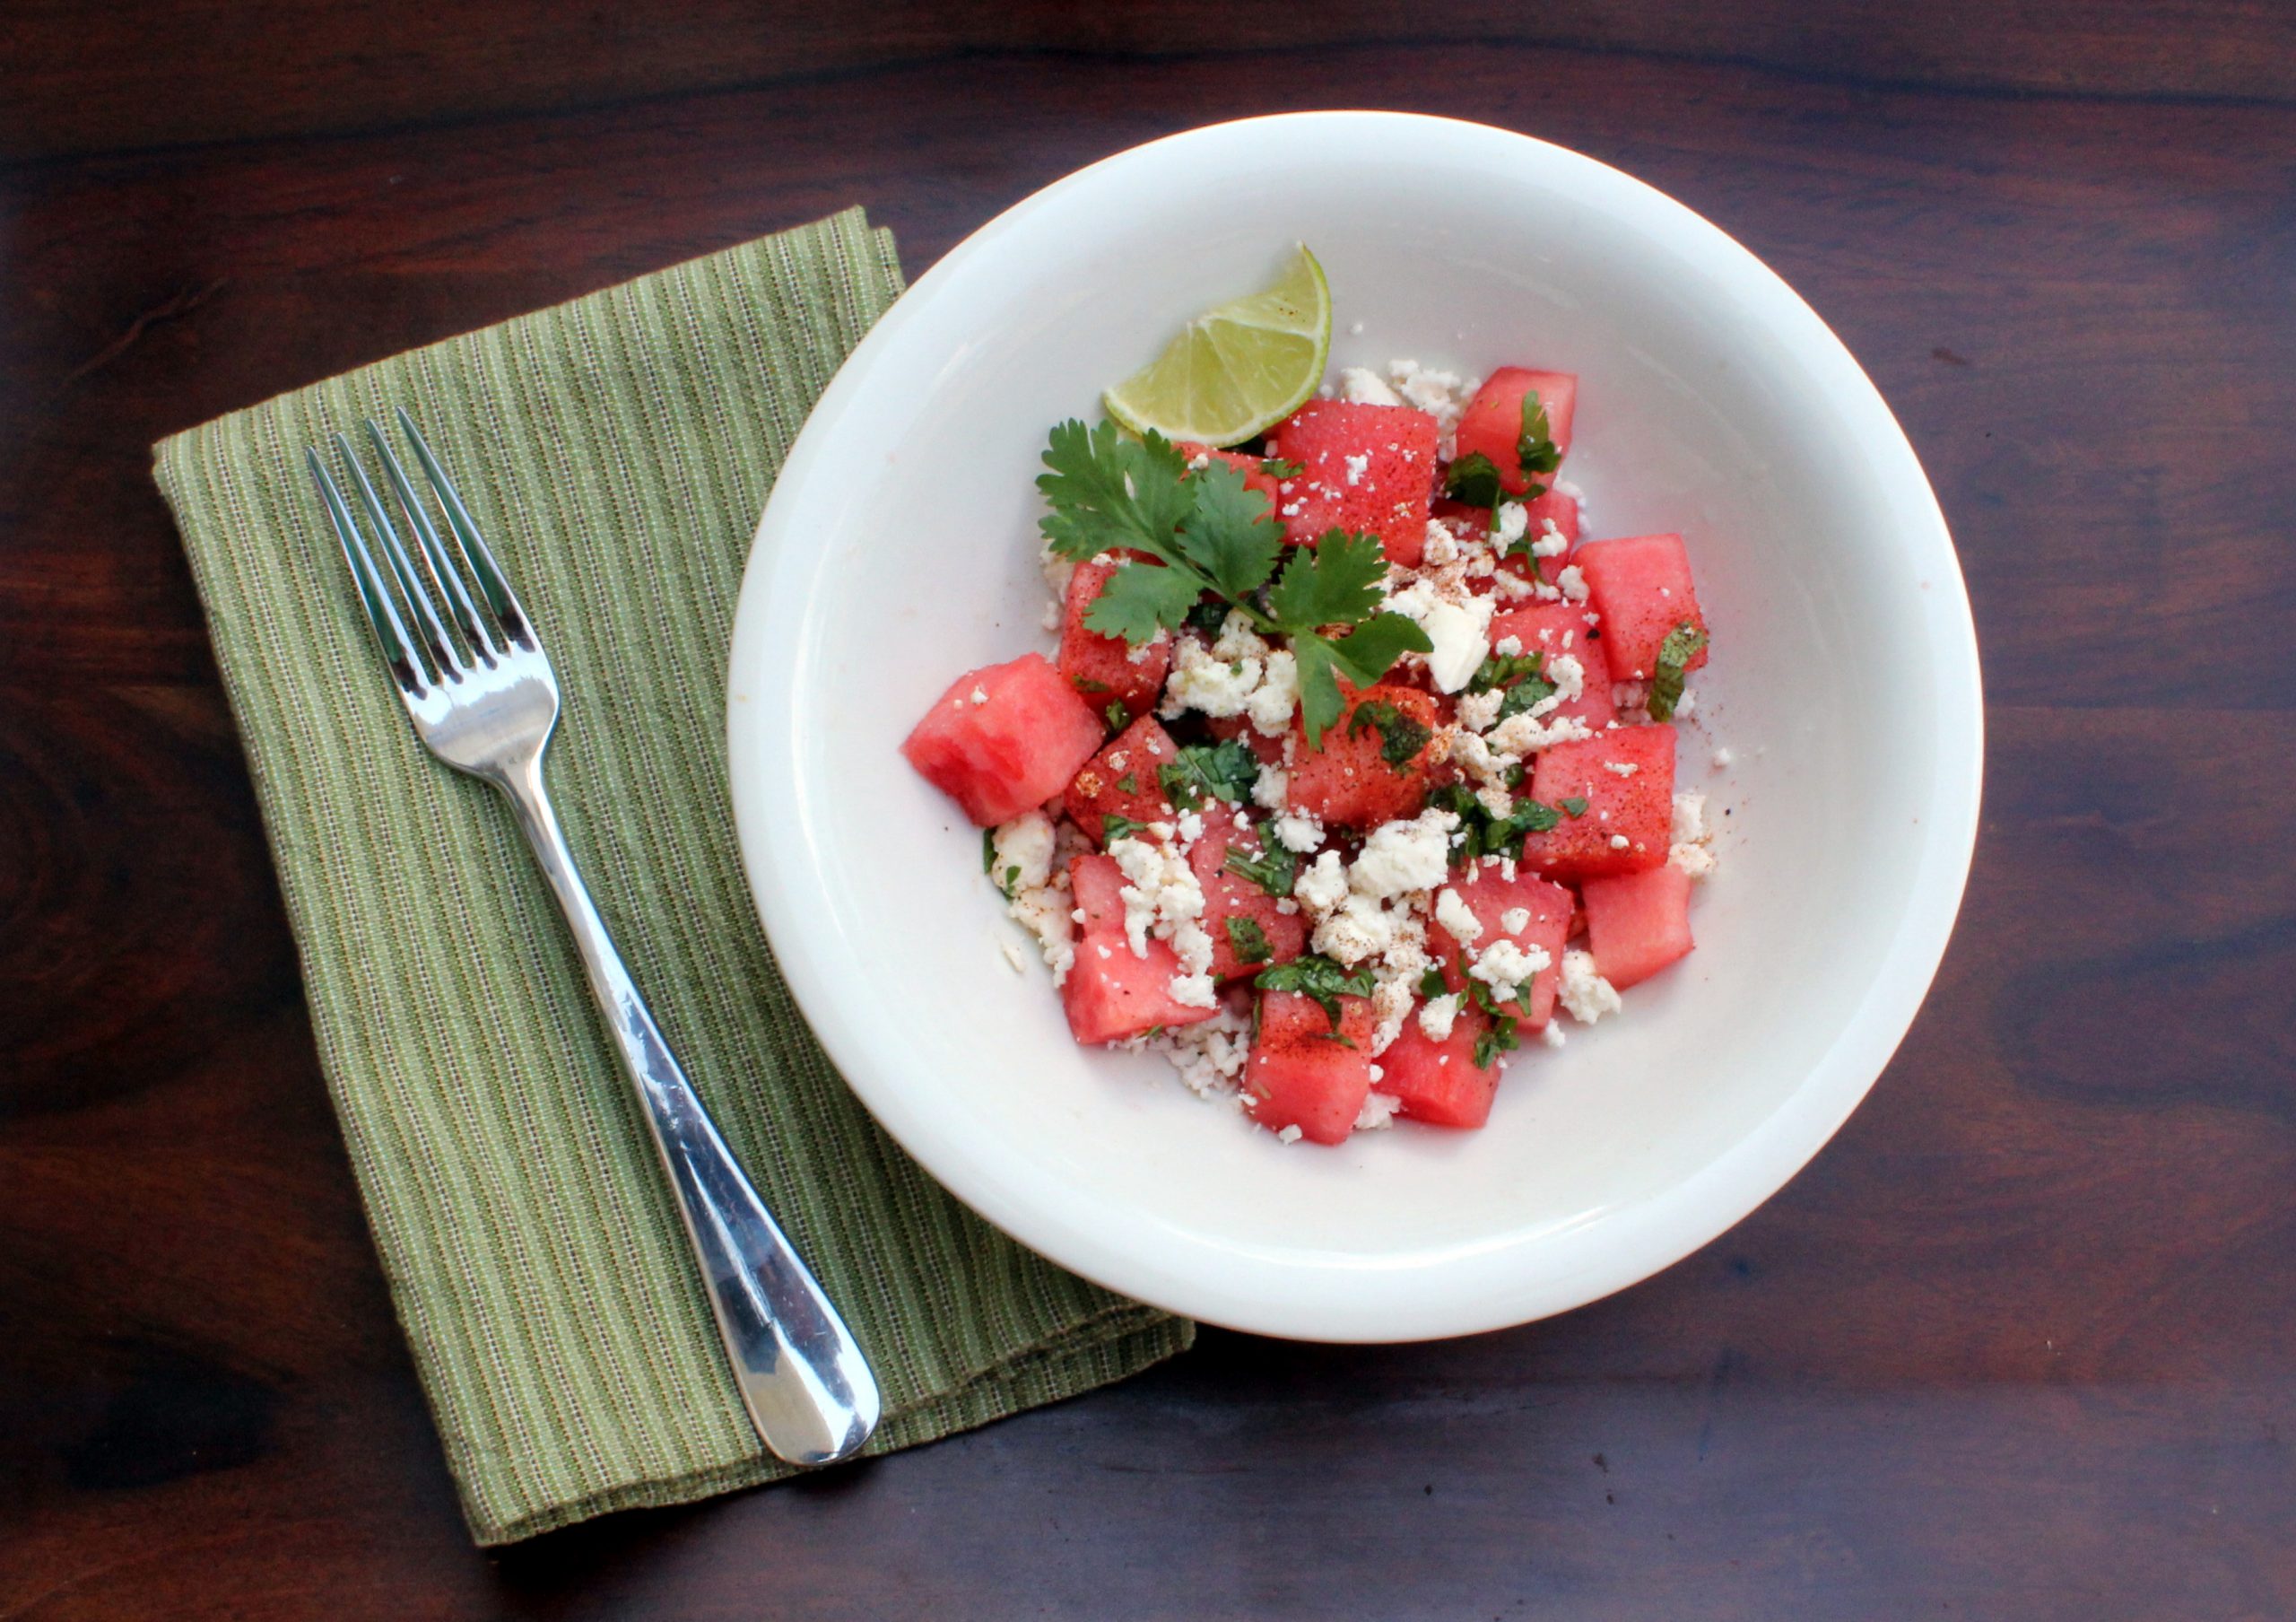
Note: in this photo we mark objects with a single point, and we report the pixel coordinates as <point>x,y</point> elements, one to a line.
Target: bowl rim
<point>1468,1290</point>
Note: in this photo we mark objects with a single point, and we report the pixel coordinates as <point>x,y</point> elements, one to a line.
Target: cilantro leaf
<point>1400,737</point>
<point>1363,657</point>
<point>1250,940</point>
<point>1320,979</point>
<point>1141,599</point>
<point>1496,1038</point>
<point>1679,646</point>
<point>1118,717</point>
<point>1482,834</point>
<point>1335,582</point>
<point>989,850</point>
<point>1535,448</point>
<point>1273,870</point>
<point>1504,670</point>
<point>1369,652</point>
<point>1011,883</point>
<point>1473,479</point>
<point>1226,769</point>
<point>1525,694</point>
<point>1108,490</point>
<point>1277,467</point>
<point>1430,984</point>
<point>1576,806</point>
<point>1229,533</point>
<point>1115,826</point>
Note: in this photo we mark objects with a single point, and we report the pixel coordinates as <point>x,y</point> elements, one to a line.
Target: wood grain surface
<point>2020,1343</point>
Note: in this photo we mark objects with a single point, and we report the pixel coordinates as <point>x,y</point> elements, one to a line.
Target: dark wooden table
<point>2021,1343</point>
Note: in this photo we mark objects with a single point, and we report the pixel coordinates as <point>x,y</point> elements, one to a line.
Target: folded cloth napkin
<point>615,451</point>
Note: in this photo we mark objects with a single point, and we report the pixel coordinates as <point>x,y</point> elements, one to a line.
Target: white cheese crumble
<point>1163,900</point>
<point>1586,994</point>
<point>1439,547</point>
<point>1689,820</point>
<point>1289,1135</point>
<point>1299,832</point>
<point>1722,758</point>
<point>1550,1033</point>
<point>1442,395</point>
<point>1209,1054</point>
<point>1322,886</point>
<point>1272,702</point>
<point>1403,856</point>
<point>1619,842</point>
<point>1622,768</point>
<point>1357,466</point>
<point>1696,860</point>
<point>1478,711</point>
<point>1454,915</point>
<point>1514,921</point>
<point>979,695</point>
<point>1365,387</point>
<point>1270,788</point>
<point>1573,583</point>
<point>1379,1112</point>
<point>1506,967</point>
<point>1458,630</point>
<point>1022,853</point>
<point>1438,1016</point>
<point>1044,914</point>
<point>1514,523</point>
<point>1013,955</point>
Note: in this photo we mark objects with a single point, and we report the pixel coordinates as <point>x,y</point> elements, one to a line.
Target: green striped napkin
<point>616,450</point>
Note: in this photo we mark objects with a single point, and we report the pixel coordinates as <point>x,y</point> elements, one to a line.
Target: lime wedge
<point>1239,370</point>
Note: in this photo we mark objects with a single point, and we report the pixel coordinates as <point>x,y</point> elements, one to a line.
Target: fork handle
<point>802,1376</point>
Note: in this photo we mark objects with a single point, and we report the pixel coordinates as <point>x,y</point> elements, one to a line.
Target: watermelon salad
<point>1354,771</point>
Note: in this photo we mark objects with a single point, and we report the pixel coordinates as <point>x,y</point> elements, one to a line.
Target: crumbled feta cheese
<point>1442,395</point>
<point>1202,682</point>
<point>1357,466</point>
<point>1358,929</point>
<point>1722,758</point>
<point>1163,899</point>
<point>1270,788</point>
<point>1051,617</point>
<point>1514,521</point>
<point>1209,1054</point>
<point>1378,1111</point>
<point>1277,695</point>
<point>1550,1033</point>
<point>1013,955</point>
<point>1619,842</point>
<point>1289,1135</point>
<point>1689,819</point>
<point>1507,647</point>
<point>1514,921</point>
<point>1687,703</point>
<point>1506,967</point>
<point>1044,914</point>
<point>1477,711</point>
<point>979,695</point>
<point>1022,853</point>
<point>1322,886</point>
<point>1365,387</point>
<point>1458,630</point>
<point>1586,994</point>
<point>1622,768</point>
<point>1437,1015</point>
<point>1299,832</point>
<point>1440,547</point>
<point>1552,541</point>
<point>1573,583</point>
<point>1400,856</point>
<point>1453,914</point>
<point>1696,860</point>
<point>1527,734</point>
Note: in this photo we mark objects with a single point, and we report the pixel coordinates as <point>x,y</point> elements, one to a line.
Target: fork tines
<point>483,620</point>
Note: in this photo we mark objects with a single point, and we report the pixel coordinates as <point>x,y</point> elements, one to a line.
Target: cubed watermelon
<point>1300,1073</point>
<point>1250,466</point>
<point>1111,992</point>
<point>1350,781</point>
<point>1107,670</point>
<point>1121,780</point>
<point>1641,587</point>
<point>1440,1082</point>
<point>1558,509</point>
<point>1234,905</point>
<point>1268,751</point>
<point>1553,629</point>
<point>1362,468</point>
<point>1637,923</point>
<point>1492,423</point>
<point>1004,738</point>
<point>1629,814</point>
<point>1492,897</point>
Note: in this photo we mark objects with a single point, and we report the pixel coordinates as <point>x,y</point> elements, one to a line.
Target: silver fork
<point>483,697</point>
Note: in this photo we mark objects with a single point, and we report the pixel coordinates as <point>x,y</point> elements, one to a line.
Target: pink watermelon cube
<point>1492,423</point>
<point>1228,894</point>
<point>1642,588</point>
<point>1111,992</point>
<point>1004,738</point>
<point>1368,469</point>
<point>1553,629</point>
<point>1626,777</point>
<point>1438,1081</point>
<point>1107,670</point>
<point>1121,780</point>
<point>1300,1075</point>
<point>1348,781</point>
<point>1494,899</point>
<point>1637,923</point>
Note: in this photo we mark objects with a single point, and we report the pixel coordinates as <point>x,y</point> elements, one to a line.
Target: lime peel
<point>1239,368</point>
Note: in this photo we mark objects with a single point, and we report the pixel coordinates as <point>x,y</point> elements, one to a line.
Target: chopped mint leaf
<point>1011,883</point>
<point>1576,806</point>
<point>1118,717</point>
<point>1250,940</point>
<point>1525,694</point>
<point>1482,834</point>
<point>1400,737</point>
<point>1676,652</point>
<point>1277,467</point>
<point>1535,448</point>
<point>1114,827</point>
<point>1431,986</point>
<point>1208,616</point>
<point>1322,980</point>
<point>1504,670</point>
<point>1496,1038</point>
<point>1473,478</point>
<point>1226,769</point>
<point>1127,784</point>
<point>1087,684</point>
<point>989,850</point>
<point>1273,870</point>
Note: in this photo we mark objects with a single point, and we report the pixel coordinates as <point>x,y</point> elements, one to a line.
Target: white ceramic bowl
<point>899,549</point>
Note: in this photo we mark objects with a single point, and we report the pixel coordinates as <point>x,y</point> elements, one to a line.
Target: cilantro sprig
<point>1321,980</point>
<point>1480,834</point>
<point>1473,479</point>
<point>1249,940</point>
<point>1210,535</point>
<point>1226,771</point>
<point>1275,870</point>
<point>1675,650</point>
<point>1535,448</point>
